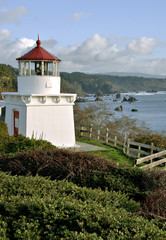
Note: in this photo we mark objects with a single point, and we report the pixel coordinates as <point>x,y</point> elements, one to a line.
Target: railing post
<point>139,149</point>
<point>124,144</point>
<point>128,146</point>
<point>135,163</point>
<point>82,128</point>
<point>90,131</point>
<point>106,136</point>
<point>98,135</point>
<point>115,138</point>
<point>151,151</point>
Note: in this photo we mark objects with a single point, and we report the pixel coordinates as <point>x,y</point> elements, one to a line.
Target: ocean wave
<point>144,93</point>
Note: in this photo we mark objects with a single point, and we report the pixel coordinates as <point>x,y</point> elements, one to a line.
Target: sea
<point>150,106</point>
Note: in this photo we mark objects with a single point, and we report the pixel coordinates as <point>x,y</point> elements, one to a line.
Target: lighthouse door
<point>16,122</point>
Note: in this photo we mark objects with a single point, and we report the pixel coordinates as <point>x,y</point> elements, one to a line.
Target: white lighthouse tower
<point>38,109</point>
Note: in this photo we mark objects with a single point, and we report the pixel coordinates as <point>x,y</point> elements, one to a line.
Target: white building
<point>38,109</point>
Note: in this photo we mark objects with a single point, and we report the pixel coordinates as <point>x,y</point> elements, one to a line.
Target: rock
<point>131,99</point>
<point>98,99</point>
<point>115,100</point>
<point>120,108</point>
<point>118,96</point>
<point>134,110</point>
<point>125,99</point>
<point>81,100</point>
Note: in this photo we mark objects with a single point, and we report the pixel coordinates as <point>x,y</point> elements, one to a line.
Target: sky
<point>89,36</point>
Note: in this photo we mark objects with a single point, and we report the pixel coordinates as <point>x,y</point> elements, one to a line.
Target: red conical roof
<point>38,53</point>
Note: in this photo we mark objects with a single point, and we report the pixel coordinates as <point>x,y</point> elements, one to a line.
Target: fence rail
<point>154,160</point>
<point>132,149</point>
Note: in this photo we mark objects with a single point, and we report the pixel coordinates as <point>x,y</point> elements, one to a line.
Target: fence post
<point>98,135</point>
<point>151,151</point>
<point>115,138</point>
<point>124,144</point>
<point>135,163</point>
<point>82,128</point>
<point>139,154</point>
<point>90,131</point>
<point>128,146</point>
<point>106,136</point>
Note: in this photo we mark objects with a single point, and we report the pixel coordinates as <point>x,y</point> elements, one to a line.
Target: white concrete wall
<point>50,120</point>
<point>52,123</point>
<point>38,85</point>
<point>9,118</point>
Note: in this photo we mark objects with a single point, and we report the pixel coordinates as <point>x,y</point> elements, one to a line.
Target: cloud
<point>98,54</point>
<point>94,55</point>
<point>10,50</point>
<point>78,16</point>
<point>143,46</point>
<point>8,16</point>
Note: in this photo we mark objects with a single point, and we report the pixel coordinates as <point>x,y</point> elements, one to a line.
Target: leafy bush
<point>18,143</point>
<point>154,204</point>
<point>157,139</point>
<point>3,130</point>
<point>37,208</point>
<point>82,169</point>
<point>56,164</point>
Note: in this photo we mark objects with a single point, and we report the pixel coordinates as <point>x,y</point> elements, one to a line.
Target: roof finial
<point>38,42</point>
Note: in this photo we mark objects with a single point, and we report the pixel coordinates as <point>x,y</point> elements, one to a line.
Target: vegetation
<point>86,196</point>
<point>107,84</point>
<point>18,143</point>
<point>148,138</point>
<point>37,208</point>
<point>112,153</point>
<point>8,78</point>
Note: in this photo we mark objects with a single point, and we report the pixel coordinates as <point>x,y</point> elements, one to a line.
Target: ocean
<point>151,108</point>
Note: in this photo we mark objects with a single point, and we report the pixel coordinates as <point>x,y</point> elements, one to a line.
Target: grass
<point>114,154</point>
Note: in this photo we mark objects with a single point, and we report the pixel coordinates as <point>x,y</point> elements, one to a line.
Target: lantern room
<point>39,71</point>
<point>38,62</point>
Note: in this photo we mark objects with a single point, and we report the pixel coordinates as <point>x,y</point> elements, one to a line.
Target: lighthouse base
<point>47,117</point>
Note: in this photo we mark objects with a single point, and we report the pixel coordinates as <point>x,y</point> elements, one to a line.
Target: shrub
<point>82,169</point>
<point>154,205</point>
<point>3,130</point>
<point>18,143</point>
<point>156,179</point>
<point>157,139</point>
<point>37,208</point>
<point>56,164</point>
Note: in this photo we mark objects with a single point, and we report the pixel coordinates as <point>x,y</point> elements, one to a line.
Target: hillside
<point>107,84</point>
<point>8,78</point>
<point>82,83</point>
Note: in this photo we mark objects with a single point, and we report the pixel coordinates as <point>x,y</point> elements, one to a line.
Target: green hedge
<point>37,208</point>
<point>85,170</point>
<point>18,143</point>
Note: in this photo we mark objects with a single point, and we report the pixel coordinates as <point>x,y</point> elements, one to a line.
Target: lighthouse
<point>38,109</point>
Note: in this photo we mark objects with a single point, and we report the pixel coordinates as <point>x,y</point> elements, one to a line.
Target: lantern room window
<point>42,68</point>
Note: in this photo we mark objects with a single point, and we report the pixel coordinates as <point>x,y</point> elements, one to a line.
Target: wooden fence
<point>153,160</point>
<point>130,148</point>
